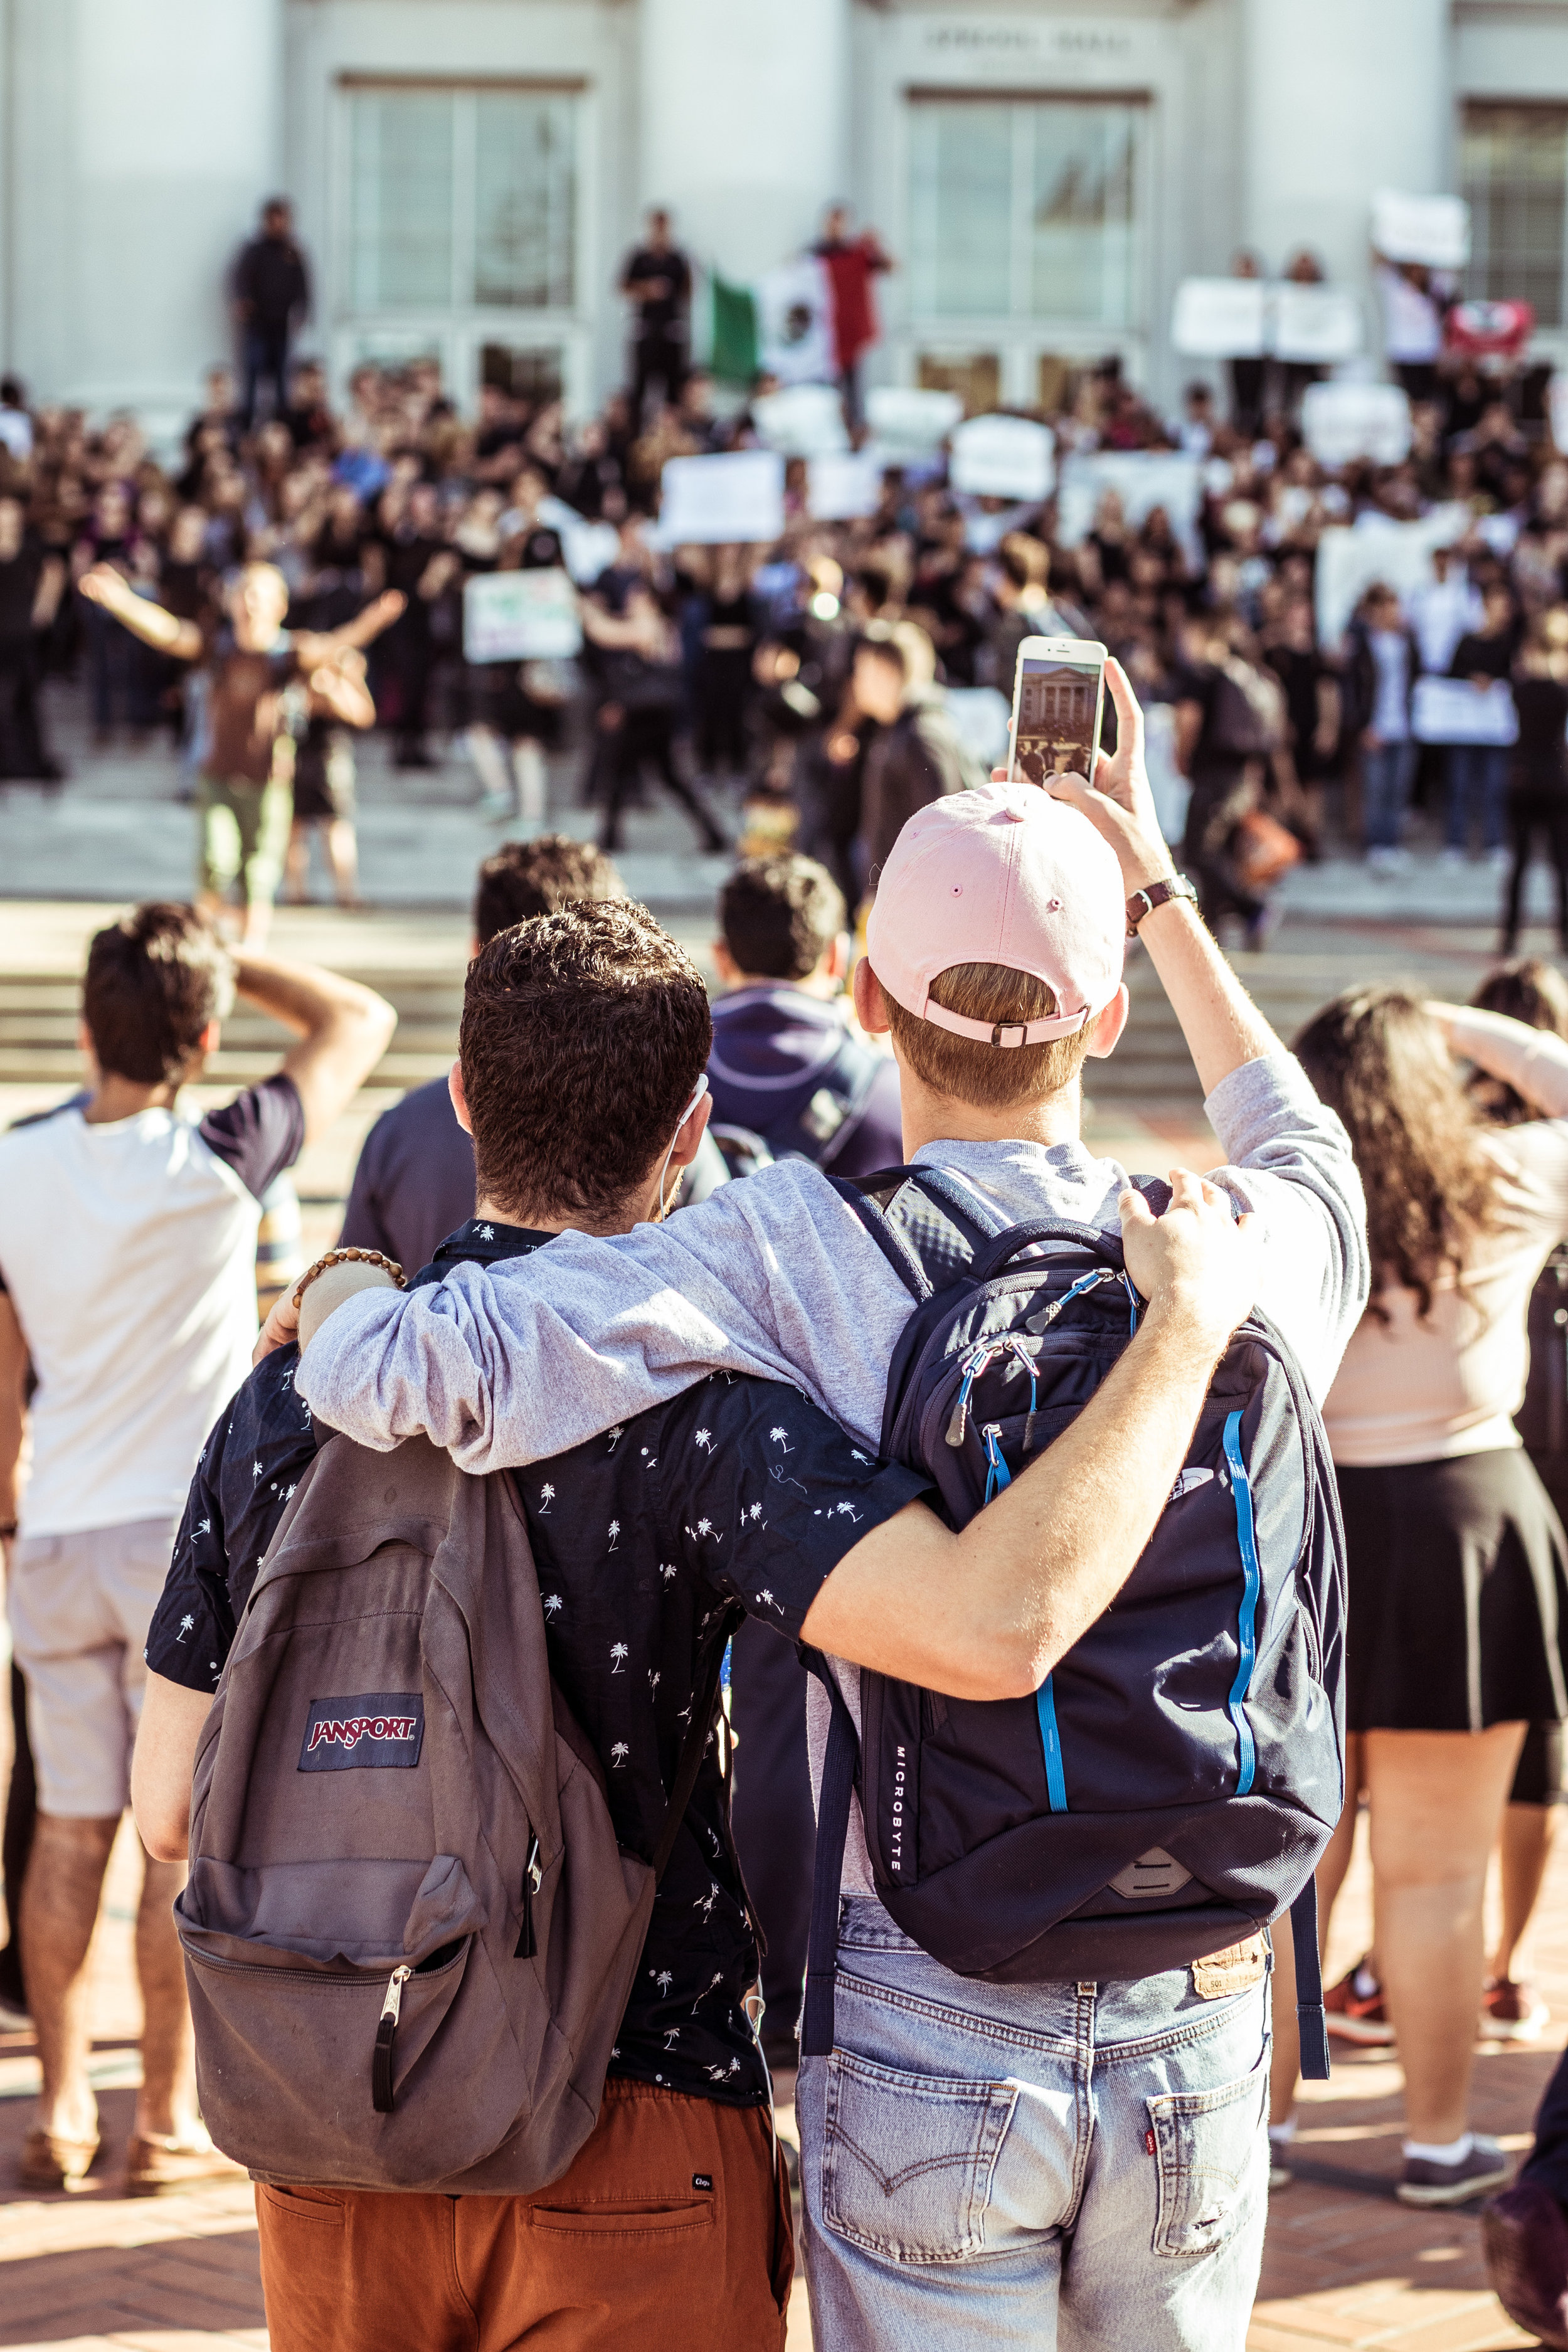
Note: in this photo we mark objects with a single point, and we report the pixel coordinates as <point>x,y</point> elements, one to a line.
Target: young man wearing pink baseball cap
<point>974,2162</point>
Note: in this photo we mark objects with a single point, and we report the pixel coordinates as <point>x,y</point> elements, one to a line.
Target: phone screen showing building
<point>1057,702</point>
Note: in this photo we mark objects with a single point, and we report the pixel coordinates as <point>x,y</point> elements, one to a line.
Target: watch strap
<point>1157,894</point>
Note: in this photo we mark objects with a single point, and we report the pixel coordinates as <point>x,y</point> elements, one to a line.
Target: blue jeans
<point>1477,781</point>
<point>1079,2166</point>
<point>1387,775</point>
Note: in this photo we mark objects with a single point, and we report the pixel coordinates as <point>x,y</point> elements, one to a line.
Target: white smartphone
<point>1058,697</point>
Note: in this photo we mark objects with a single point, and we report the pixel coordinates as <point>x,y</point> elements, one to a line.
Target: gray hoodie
<point>510,1364</point>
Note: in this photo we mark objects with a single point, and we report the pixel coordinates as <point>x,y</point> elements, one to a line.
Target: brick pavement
<point>1344,2267</point>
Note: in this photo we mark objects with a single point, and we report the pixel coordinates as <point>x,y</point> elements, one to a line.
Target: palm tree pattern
<point>737,1489</point>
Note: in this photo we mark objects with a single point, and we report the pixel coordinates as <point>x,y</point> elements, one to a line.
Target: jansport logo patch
<point>376,1730</point>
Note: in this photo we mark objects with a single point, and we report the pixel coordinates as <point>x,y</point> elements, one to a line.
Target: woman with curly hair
<point>1457,1576</point>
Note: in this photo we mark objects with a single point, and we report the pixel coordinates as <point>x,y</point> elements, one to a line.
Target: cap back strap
<point>1003,1032</point>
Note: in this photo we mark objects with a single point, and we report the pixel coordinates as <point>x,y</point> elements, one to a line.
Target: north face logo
<point>374,1730</point>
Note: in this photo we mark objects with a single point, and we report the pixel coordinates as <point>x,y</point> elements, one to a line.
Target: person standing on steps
<point>128,1290</point>
<point>263,682</point>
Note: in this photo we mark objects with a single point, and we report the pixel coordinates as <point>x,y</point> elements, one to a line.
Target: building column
<point>743,120</point>
<point>1338,101</point>
<point>143,135</point>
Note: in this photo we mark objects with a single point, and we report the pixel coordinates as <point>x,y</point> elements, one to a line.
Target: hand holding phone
<point>1059,699</point>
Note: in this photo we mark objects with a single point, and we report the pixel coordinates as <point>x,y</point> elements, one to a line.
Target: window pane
<point>961,205</point>
<point>1083,213</point>
<point>1515,162</point>
<point>400,206</point>
<point>525,200</point>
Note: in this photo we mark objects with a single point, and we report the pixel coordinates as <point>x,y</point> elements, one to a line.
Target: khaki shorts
<point>244,834</point>
<point>79,1608</point>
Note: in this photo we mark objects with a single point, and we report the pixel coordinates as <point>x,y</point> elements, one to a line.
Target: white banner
<point>1452,710</point>
<point>1350,558</point>
<point>521,617</point>
<point>1219,318</point>
<point>804,420</point>
<point>843,489</point>
<point>733,499</point>
<point>1142,480</point>
<point>794,323</point>
<point>1003,457</point>
<point>1316,325</point>
<point>1342,422</point>
<point>590,548</point>
<point>1433,229</point>
<point>907,423</point>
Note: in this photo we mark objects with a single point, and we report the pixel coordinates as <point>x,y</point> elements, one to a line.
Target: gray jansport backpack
<point>409,1932</point>
<point>1170,1787</point>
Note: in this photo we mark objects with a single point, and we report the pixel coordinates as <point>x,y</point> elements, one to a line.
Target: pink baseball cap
<point>1008,875</point>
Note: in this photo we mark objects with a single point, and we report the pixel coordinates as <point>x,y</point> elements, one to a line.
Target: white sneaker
<point>1499,860</point>
<point>1381,863</point>
<point>1452,858</point>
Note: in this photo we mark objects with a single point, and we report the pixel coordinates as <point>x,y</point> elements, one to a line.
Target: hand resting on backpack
<point>988,1612</point>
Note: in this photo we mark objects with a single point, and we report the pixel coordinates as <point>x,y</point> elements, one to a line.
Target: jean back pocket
<point>1208,2144</point>
<point>907,2159</point>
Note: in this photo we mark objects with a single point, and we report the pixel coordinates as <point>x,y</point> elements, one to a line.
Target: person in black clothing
<point>656,281</point>
<point>735,1495</point>
<point>634,659</point>
<point>1538,771</point>
<point>272,289</point>
<point>31,582</point>
<point>1478,773</point>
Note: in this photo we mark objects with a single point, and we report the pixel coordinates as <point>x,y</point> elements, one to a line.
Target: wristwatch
<point>1157,894</point>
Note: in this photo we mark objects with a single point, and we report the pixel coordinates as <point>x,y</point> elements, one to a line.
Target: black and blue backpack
<point>1171,1785</point>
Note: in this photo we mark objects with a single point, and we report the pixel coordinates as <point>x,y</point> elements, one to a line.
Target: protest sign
<point>1345,421</point>
<point>589,548</point>
<point>1452,710</point>
<point>842,488</point>
<point>907,423</point>
<point>804,420</point>
<point>1316,325</point>
<point>1219,318</point>
<point>1142,480</point>
<point>794,323</point>
<point>1431,229</point>
<point>1003,457</point>
<point>1350,558</point>
<point>521,617</point>
<point>1557,410</point>
<point>735,498</point>
<point>1489,330</point>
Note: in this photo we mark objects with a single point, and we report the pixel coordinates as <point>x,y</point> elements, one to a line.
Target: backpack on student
<point>1170,1788</point>
<point>409,1931</point>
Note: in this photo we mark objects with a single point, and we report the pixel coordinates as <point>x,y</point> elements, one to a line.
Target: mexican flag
<point>782,324</point>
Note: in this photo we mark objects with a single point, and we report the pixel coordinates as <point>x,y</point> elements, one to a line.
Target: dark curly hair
<point>583,1035</point>
<point>155,981</point>
<point>1377,1058</point>
<point>1528,991</point>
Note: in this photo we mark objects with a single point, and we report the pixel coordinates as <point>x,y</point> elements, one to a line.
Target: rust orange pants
<point>632,2247</point>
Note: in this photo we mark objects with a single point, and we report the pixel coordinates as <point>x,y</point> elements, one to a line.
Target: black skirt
<point>1459,1596</point>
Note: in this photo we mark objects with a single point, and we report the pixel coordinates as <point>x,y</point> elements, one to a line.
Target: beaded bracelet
<point>347,1258</point>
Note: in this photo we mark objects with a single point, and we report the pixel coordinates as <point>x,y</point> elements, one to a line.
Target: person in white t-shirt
<point>127,1313</point>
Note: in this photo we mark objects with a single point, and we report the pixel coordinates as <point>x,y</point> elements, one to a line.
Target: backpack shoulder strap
<point>704,1708</point>
<point>892,1243</point>
<point>817,2023</point>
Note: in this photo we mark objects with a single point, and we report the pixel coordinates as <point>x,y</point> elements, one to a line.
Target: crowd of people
<point>831,1388</point>
<point>732,676</point>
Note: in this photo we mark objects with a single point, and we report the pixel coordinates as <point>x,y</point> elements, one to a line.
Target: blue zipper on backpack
<point>998,1476</point>
<point>1247,1624</point>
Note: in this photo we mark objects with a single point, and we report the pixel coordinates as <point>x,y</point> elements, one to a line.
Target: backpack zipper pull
<point>997,1474</point>
<point>381,2063</point>
<point>532,1878</point>
<point>976,1364</point>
